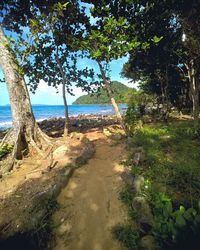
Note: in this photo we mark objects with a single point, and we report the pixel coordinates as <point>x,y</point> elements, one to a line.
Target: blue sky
<point>48,95</point>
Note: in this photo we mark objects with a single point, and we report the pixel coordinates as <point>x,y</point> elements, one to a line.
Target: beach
<point>46,112</point>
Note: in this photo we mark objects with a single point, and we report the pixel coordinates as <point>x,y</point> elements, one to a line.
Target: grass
<point>170,167</point>
<point>127,235</point>
<point>172,159</point>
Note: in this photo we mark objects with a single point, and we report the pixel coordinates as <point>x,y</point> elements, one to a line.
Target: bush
<point>172,227</point>
<point>5,149</point>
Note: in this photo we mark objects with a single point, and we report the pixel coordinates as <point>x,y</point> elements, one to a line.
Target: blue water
<point>43,112</point>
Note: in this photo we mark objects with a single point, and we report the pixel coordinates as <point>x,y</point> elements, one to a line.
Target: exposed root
<point>7,164</point>
<point>35,147</point>
<point>45,137</point>
<point>24,143</point>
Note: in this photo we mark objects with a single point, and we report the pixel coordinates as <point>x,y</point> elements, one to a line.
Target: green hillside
<point>101,97</point>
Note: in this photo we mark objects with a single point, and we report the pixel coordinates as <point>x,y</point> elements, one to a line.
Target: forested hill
<point>101,97</point>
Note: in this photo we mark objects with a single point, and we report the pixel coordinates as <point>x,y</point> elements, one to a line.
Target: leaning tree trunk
<point>194,91</point>
<point>25,130</point>
<point>66,128</point>
<point>64,82</point>
<point>112,99</point>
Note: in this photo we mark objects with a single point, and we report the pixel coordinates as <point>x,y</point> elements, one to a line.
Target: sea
<point>43,112</point>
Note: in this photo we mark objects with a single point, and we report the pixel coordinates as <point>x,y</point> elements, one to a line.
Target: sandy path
<point>89,205</point>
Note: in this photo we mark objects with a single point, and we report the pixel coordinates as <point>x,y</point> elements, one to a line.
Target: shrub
<point>5,149</point>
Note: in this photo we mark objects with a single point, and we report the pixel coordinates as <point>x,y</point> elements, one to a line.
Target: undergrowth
<point>172,177</point>
<point>127,235</point>
<point>4,150</point>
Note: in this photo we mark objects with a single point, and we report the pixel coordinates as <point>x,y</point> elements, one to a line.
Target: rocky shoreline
<point>54,126</point>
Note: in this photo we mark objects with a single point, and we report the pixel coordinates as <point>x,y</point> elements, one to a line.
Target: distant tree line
<point>119,90</point>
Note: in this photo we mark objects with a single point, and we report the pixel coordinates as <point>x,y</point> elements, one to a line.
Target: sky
<point>48,96</point>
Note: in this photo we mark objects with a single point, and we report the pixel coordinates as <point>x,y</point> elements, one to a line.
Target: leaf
<point>180,221</point>
<point>182,209</point>
<point>156,39</point>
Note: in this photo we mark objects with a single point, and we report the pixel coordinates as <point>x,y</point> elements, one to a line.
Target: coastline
<point>81,123</point>
<point>46,112</point>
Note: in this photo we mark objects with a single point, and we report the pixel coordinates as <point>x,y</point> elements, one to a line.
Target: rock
<point>84,139</point>
<point>148,242</point>
<point>143,210</point>
<point>139,155</point>
<point>60,151</point>
<point>33,175</point>
<point>114,132</point>
<point>128,177</point>
<point>107,132</point>
<point>78,136</point>
<point>137,158</point>
<point>117,137</point>
<point>138,184</point>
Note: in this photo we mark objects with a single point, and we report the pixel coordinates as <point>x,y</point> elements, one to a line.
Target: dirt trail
<point>89,205</point>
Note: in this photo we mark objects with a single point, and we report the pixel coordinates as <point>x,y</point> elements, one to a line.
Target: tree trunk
<point>194,90</point>
<point>66,128</point>
<point>64,82</point>
<point>25,129</point>
<point>112,99</point>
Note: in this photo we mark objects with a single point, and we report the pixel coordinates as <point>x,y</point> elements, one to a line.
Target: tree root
<point>7,164</point>
<point>27,142</point>
<point>35,146</point>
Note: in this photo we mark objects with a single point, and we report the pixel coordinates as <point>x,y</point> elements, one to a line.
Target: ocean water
<point>43,112</point>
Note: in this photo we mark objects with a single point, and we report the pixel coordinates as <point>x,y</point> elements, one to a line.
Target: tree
<point>25,129</point>
<point>52,57</point>
<point>105,41</point>
<point>25,134</point>
<point>177,22</point>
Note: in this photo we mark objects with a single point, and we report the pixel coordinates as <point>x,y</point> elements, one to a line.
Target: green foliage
<point>171,226</point>
<point>162,63</point>
<point>108,41</point>
<point>171,171</point>
<point>5,149</point>
<point>130,117</point>
<point>136,101</point>
<point>101,97</point>
<point>127,235</point>
<point>172,157</point>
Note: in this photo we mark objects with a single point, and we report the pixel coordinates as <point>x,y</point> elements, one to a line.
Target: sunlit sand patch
<point>94,207</point>
<point>118,168</point>
<point>97,246</point>
<point>72,185</point>
<point>84,195</point>
<point>69,194</point>
<point>65,227</point>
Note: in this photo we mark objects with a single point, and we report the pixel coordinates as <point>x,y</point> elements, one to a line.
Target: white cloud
<point>78,91</point>
<point>42,86</point>
<point>128,83</point>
